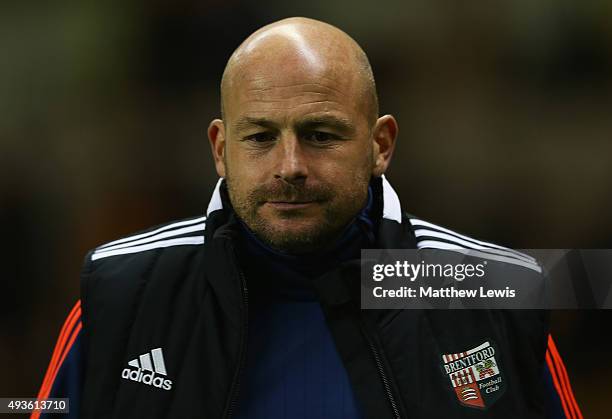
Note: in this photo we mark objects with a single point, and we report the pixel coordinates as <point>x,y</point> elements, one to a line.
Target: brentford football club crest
<point>475,375</point>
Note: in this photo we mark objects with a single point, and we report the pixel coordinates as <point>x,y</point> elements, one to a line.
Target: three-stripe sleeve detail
<point>561,381</point>
<point>431,236</point>
<point>154,232</point>
<point>183,233</point>
<point>68,334</point>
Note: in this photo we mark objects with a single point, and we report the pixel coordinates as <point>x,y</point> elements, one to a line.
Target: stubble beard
<point>337,213</point>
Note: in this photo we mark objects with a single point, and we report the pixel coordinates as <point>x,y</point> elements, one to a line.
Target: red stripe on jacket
<point>561,381</point>
<point>70,330</point>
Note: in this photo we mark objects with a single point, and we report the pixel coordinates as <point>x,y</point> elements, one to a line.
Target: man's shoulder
<point>432,236</point>
<point>178,238</point>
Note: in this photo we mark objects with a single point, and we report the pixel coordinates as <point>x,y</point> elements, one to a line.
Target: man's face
<point>298,153</point>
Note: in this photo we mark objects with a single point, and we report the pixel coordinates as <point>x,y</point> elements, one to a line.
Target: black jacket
<point>180,288</point>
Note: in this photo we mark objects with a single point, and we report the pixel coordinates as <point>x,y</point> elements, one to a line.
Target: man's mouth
<point>290,205</point>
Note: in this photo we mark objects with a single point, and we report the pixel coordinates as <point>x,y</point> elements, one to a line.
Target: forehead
<point>271,83</point>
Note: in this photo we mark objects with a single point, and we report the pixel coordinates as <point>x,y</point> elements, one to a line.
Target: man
<point>253,310</point>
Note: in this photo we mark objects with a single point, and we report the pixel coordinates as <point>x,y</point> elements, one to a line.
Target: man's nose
<point>292,162</point>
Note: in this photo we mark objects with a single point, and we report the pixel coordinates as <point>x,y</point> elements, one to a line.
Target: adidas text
<point>147,378</point>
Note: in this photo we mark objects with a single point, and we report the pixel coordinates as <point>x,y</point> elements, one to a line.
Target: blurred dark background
<point>505,134</point>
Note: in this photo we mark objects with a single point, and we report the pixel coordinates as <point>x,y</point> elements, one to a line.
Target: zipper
<point>235,391</point>
<point>383,376</point>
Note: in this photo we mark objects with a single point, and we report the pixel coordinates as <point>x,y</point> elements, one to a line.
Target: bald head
<point>300,49</point>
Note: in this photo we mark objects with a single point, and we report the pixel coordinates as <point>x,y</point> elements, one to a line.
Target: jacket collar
<point>393,231</point>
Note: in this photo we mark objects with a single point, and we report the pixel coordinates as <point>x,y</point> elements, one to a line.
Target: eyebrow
<point>247,122</point>
<point>342,125</point>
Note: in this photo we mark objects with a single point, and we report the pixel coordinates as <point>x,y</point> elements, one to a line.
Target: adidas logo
<point>146,371</point>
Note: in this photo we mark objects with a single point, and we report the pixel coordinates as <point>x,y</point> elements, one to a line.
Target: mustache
<point>286,192</point>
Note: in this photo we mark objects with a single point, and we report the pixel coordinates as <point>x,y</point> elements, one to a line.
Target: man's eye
<point>260,137</point>
<point>320,137</point>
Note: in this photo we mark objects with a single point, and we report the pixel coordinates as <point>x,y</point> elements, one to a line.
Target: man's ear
<point>384,135</point>
<point>216,136</point>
